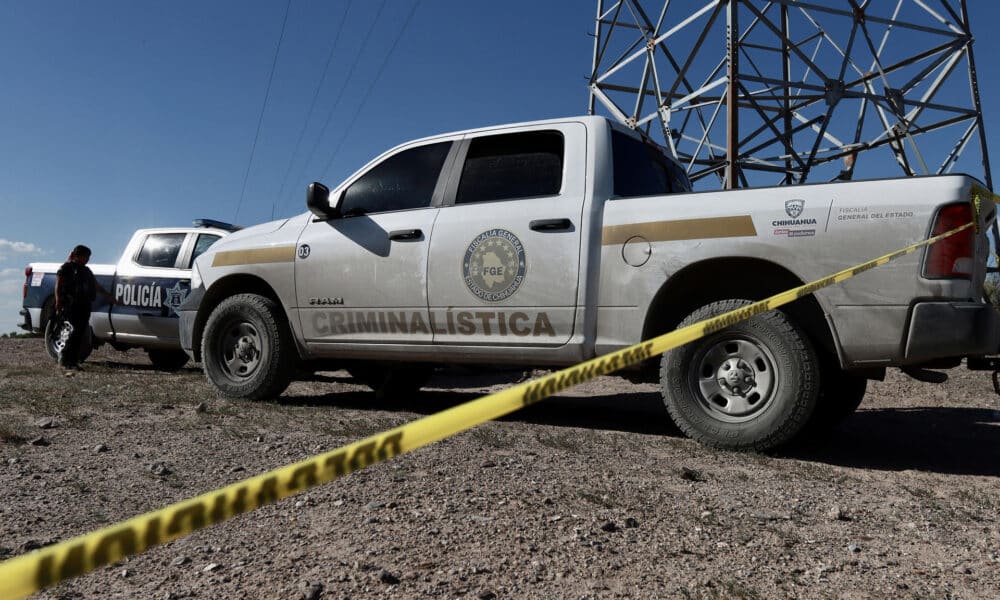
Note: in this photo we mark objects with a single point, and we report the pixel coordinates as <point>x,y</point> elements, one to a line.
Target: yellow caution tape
<point>979,194</point>
<point>27,574</point>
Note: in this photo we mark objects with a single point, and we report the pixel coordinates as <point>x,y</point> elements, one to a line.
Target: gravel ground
<point>592,494</point>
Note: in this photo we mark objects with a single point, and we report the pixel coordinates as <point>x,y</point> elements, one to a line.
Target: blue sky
<point>116,115</point>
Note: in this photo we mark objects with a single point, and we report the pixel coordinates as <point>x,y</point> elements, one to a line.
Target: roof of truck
<point>590,119</point>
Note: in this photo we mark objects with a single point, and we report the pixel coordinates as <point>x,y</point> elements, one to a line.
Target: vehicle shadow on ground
<point>113,365</point>
<point>630,412</point>
<point>960,441</point>
<point>947,440</point>
<point>635,412</point>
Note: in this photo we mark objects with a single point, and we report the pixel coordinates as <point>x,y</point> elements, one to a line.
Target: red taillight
<point>953,256</point>
<point>27,278</point>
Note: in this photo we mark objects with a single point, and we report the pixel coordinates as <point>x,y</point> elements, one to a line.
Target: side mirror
<point>318,201</point>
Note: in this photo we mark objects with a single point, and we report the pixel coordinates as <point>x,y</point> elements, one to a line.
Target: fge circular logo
<point>494,265</point>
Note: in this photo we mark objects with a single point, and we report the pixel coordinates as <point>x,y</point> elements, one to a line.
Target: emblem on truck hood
<point>494,264</point>
<point>793,208</point>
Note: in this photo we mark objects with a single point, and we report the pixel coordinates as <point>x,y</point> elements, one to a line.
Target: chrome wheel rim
<point>240,352</point>
<point>734,378</point>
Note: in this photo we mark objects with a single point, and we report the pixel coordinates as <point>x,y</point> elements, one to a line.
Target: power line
<point>371,86</point>
<point>267,93</point>
<point>343,86</point>
<point>312,107</point>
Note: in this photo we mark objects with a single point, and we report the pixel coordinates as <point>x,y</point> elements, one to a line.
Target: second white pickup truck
<point>552,242</point>
<point>149,282</point>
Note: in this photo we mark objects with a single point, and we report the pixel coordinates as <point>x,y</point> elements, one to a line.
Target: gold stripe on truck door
<point>254,256</point>
<point>684,229</point>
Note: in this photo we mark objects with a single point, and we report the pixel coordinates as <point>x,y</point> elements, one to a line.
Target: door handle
<point>551,225</point>
<point>406,234</point>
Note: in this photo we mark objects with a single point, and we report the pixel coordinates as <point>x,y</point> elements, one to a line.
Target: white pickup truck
<point>149,282</point>
<point>552,242</point>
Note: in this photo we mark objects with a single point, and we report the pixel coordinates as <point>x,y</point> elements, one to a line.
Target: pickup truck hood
<point>240,237</point>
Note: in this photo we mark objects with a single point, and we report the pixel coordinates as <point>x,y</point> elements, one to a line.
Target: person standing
<point>76,290</point>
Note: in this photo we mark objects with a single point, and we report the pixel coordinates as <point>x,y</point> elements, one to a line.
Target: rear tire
<point>57,331</point>
<point>55,337</point>
<point>751,386</point>
<point>247,350</point>
<point>167,360</point>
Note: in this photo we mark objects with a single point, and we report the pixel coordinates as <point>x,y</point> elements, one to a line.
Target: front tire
<point>752,386</point>
<point>246,350</point>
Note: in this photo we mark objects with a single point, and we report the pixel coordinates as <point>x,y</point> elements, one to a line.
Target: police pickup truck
<point>149,283</point>
<point>552,242</point>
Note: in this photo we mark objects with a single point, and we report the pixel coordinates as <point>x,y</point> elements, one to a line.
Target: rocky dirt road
<point>592,494</point>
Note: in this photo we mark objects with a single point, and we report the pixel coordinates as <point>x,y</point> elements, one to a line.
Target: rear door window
<point>678,178</point>
<point>641,169</point>
<point>160,250</point>
<point>509,166</point>
<point>205,240</point>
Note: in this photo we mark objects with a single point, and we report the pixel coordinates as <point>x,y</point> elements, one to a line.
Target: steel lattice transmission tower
<point>765,92</point>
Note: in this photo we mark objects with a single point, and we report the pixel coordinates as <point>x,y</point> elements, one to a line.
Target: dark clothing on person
<point>70,355</point>
<point>77,288</point>
<point>77,292</point>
